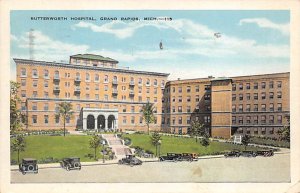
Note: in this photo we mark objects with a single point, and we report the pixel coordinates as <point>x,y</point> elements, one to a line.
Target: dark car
<point>171,157</point>
<point>233,153</point>
<point>130,160</point>
<point>188,157</point>
<point>248,154</point>
<point>28,165</point>
<point>265,153</point>
<point>71,163</point>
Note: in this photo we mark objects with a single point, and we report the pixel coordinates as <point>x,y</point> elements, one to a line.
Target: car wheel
<point>120,162</point>
<point>68,168</point>
<point>175,160</point>
<point>23,172</point>
<point>30,168</point>
<point>80,168</point>
<point>76,164</point>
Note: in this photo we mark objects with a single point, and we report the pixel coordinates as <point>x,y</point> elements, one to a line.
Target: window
<point>97,78</point>
<point>248,119</point>
<point>23,72</point>
<point>279,95</point>
<point>46,106</point>
<point>34,106</point>
<point>263,96</point>
<point>255,96</point>
<point>173,89</point>
<point>248,107</point>
<point>180,89</point>
<point>279,107</point>
<point>180,99</point>
<point>271,119</point>
<point>263,130</point>
<point>241,97</point>
<point>34,119</point>
<point>173,120</point>
<point>97,96</point>
<point>271,107</point>
<point>279,119</point>
<point>34,73</point>
<point>155,82</point>
<point>56,74</point>
<point>263,119</point>
<point>206,119</point>
<point>23,106</point>
<point>233,108</point>
<point>255,107</point>
<point>68,119</point>
<point>105,88</point>
<point>78,107</point>
<point>140,81</point>
<point>23,82</point>
<point>124,119</point>
<point>162,83</point>
<point>188,89</point>
<point>188,99</point>
<point>23,93</point>
<point>207,97</point>
<point>96,86</point>
<point>263,107</point>
<point>197,89</point>
<point>240,119</point>
<point>248,86</point>
<point>271,95</point>
<point>155,90</point>
<point>87,77</point>
<point>141,120</point>
<point>140,99</point>
<point>34,94</point>
<point>46,74</point>
<point>188,120</point>
<point>255,86</point>
<point>263,85</point>
<point>233,97</point>
<point>233,119</point>
<point>106,78</point>
<point>241,86</point>
<point>271,84</point>
<point>279,84</point>
<point>180,120</point>
<point>147,90</point>
<point>46,84</point>
<point>34,83</point>
<point>188,109</point>
<point>46,119</point>
<point>255,119</point>
<point>132,120</point>
<point>148,82</point>
<point>197,98</point>
<point>240,108</point>
<point>207,87</point>
<point>77,76</point>
<point>271,131</point>
<point>173,109</point>
<point>180,109</point>
<point>207,107</point>
<point>233,87</point>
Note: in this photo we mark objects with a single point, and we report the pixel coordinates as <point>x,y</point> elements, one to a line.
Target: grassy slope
<point>57,147</point>
<point>180,145</point>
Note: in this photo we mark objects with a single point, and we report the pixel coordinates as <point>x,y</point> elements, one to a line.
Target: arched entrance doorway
<point>90,124</point>
<point>111,122</point>
<point>101,122</point>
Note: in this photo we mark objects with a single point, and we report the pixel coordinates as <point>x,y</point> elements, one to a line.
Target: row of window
<point>255,96</point>
<point>263,107</point>
<point>255,85</point>
<point>188,99</point>
<point>257,119</point>
<point>88,77</point>
<point>188,89</point>
<point>164,120</point>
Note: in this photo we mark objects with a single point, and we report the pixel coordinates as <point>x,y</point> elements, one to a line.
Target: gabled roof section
<point>94,57</point>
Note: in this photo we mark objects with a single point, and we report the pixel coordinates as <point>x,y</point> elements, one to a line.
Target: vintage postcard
<point>191,98</point>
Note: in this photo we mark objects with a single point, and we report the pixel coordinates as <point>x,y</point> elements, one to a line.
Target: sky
<point>196,43</point>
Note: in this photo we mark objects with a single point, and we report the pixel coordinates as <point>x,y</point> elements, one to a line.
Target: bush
<point>13,162</point>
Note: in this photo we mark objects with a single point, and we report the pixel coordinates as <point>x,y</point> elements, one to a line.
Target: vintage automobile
<point>248,154</point>
<point>171,157</point>
<point>71,163</point>
<point>130,160</point>
<point>265,153</point>
<point>233,153</point>
<point>188,157</point>
<point>28,165</point>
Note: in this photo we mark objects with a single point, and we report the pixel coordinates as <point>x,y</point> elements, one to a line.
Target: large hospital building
<point>107,97</point>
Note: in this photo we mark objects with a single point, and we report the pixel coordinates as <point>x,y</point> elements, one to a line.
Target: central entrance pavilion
<point>99,119</point>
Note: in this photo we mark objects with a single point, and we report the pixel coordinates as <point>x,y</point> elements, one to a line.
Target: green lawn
<point>181,145</point>
<point>42,147</point>
<point>275,143</point>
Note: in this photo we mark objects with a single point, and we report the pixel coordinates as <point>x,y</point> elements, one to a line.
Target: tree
<point>16,117</point>
<point>64,112</point>
<point>284,133</point>
<point>245,140</point>
<point>18,144</point>
<point>95,143</point>
<point>148,114</point>
<point>205,139</point>
<point>155,140</point>
<point>197,129</point>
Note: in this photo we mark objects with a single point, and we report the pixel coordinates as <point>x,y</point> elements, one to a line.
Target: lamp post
<point>103,143</point>
<point>159,143</point>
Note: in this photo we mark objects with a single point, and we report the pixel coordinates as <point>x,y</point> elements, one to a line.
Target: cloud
<point>265,23</point>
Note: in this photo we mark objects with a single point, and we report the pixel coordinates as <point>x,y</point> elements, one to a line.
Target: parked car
<point>248,154</point>
<point>130,160</point>
<point>171,157</point>
<point>28,165</point>
<point>188,157</point>
<point>233,153</point>
<point>265,153</point>
<point>71,163</point>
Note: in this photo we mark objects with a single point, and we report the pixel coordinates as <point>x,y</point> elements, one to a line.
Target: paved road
<point>259,169</point>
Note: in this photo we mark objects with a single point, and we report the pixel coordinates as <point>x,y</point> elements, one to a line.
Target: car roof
<point>29,159</point>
